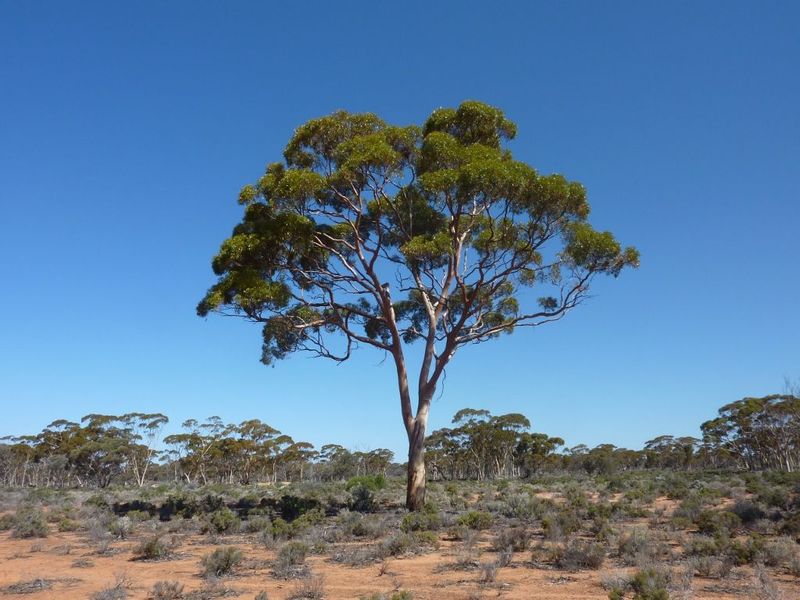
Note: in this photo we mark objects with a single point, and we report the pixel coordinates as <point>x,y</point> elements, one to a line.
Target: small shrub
<point>67,524</point>
<point>374,483</point>
<point>28,587</point>
<point>223,520</point>
<point>717,523</point>
<point>221,561</point>
<point>487,573</point>
<point>747,511</point>
<point>117,591</point>
<point>475,519</point>
<point>166,590</point>
<point>650,584</point>
<point>258,524</point>
<point>763,586</point>
<point>578,554</point>
<point>30,523</point>
<point>362,499</point>
<point>6,522</point>
<point>779,552</point>
<point>420,521</point>
<point>311,588</point>
<point>744,552</point>
<point>121,528</point>
<point>293,553</point>
<point>711,566</point>
<point>153,548</point>
<point>516,538</point>
<point>636,546</point>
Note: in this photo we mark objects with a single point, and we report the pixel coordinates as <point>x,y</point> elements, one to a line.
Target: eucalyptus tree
<point>371,234</point>
<point>757,433</point>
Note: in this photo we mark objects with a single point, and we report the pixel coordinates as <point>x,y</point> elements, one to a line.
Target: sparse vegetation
<point>221,561</point>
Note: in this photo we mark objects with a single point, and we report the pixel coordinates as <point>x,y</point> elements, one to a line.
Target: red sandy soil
<point>52,559</point>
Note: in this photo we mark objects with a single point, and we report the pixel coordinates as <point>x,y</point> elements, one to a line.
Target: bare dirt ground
<point>70,569</point>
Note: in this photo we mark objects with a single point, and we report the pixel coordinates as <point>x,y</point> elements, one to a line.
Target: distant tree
<point>441,213</point>
<point>757,433</point>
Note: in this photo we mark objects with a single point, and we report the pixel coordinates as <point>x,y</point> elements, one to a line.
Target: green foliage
<point>476,520</point>
<point>362,499</point>
<point>373,483</point>
<point>293,553</point>
<point>221,561</point>
<point>650,584</point>
<point>223,520</point>
<point>717,523</point>
<point>152,548</point>
<point>30,523</point>
<point>426,520</point>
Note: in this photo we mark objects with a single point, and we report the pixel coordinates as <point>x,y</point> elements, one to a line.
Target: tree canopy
<point>381,235</point>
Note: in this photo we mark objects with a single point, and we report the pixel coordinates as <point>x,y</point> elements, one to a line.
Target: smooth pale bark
<point>415,491</point>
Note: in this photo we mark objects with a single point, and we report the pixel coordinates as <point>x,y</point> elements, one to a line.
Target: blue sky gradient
<point>126,131</point>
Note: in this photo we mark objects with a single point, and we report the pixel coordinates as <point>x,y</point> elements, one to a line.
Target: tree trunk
<point>415,491</point>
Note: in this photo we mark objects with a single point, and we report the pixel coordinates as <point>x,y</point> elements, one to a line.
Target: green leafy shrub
<point>476,519</point>
<point>421,521</point>
<point>717,523</point>
<point>362,499</point>
<point>650,584</point>
<point>747,511</point>
<point>374,483</point>
<point>221,561</point>
<point>222,520</point>
<point>30,523</point>
<point>153,548</point>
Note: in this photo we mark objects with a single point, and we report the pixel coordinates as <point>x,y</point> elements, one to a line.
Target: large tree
<point>371,234</point>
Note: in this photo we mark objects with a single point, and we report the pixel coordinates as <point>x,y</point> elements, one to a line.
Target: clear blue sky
<point>127,129</point>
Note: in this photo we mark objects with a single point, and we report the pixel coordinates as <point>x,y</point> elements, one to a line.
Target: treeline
<point>750,434</point>
<point>128,450</point>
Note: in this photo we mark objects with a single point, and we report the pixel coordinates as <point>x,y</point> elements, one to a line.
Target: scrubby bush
<point>291,556</point>
<point>166,590</point>
<point>779,552</point>
<point>747,551</point>
<point>578,554</point>
<point>257,524</point>
<point>638,546</point>
<point>399,595</point>
<point>426,520</point>
<point>153,548</point>
<point>475,519</point>
<point>6,522</point>
<point>222,520</point>
<point>30,523</point>
<point>408,543</point>
<point>121,528</point>
<point>558,524</point>
<point>650,584</point>
<point>374,483</point>
<point>717,523</point>
<point>311,588</point>
<point>221,561</point>
<point>362,499</point>
<point>747,511</point>
<point>516,538</point>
